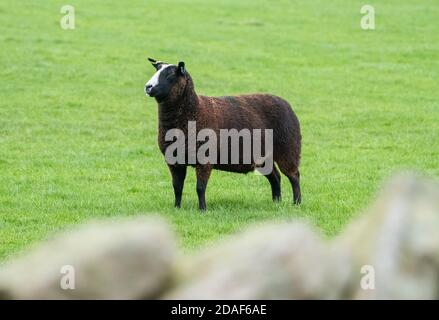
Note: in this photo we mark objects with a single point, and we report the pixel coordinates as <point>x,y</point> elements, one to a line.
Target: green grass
<point>78,136</point>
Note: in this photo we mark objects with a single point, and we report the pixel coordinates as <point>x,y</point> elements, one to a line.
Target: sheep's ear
<point>181,69</point>
<point>156,64</point>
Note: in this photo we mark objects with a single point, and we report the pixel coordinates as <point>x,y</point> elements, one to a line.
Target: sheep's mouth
<point>154,93</point>
<point>149,91</point>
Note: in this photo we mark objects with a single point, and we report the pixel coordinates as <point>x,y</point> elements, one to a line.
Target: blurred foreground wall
<point>390,252</point>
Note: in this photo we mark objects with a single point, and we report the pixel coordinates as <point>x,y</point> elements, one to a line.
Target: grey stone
<point>280,261</point>
<point>399,237</point>
<point>121,259</point>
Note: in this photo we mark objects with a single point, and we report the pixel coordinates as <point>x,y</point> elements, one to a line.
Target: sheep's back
<point>253,111</point>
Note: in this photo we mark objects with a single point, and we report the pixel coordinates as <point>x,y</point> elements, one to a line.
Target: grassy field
<point>78,136</point>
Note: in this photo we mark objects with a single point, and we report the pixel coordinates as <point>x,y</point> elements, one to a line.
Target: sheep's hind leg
<point>274,179</point>
<point>295,183</point>
<point>178,175</point>
<point>293,175</point>
<point>203,174</point>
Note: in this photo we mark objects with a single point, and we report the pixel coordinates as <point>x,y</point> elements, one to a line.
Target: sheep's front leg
<point>178,175</point>
<point>203,174</point>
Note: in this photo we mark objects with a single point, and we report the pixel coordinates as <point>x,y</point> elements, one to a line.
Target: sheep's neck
<point>176,114</point>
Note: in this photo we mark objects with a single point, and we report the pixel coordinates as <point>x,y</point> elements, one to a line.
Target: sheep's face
<point>165,78</point>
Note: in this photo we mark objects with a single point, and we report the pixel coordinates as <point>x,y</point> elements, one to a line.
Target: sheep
<point>178,104</point>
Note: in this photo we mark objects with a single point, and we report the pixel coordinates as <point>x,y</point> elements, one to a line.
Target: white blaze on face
<point>155,78</point>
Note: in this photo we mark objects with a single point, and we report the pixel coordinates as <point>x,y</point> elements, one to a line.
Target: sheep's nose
<point>148,88</point>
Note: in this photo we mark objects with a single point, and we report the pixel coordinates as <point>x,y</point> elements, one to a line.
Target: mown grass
<point>78,136</point>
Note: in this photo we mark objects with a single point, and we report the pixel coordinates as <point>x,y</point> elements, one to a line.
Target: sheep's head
<point>168,78</point>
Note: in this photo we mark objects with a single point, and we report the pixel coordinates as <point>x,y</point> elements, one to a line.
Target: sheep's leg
<point>203,174</point>
<point>295,183</point>
<point>274,179</point>
<point>178,176</point>
<point>293,175</point>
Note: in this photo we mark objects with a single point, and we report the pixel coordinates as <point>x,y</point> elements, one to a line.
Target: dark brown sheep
<point>178,104</point>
